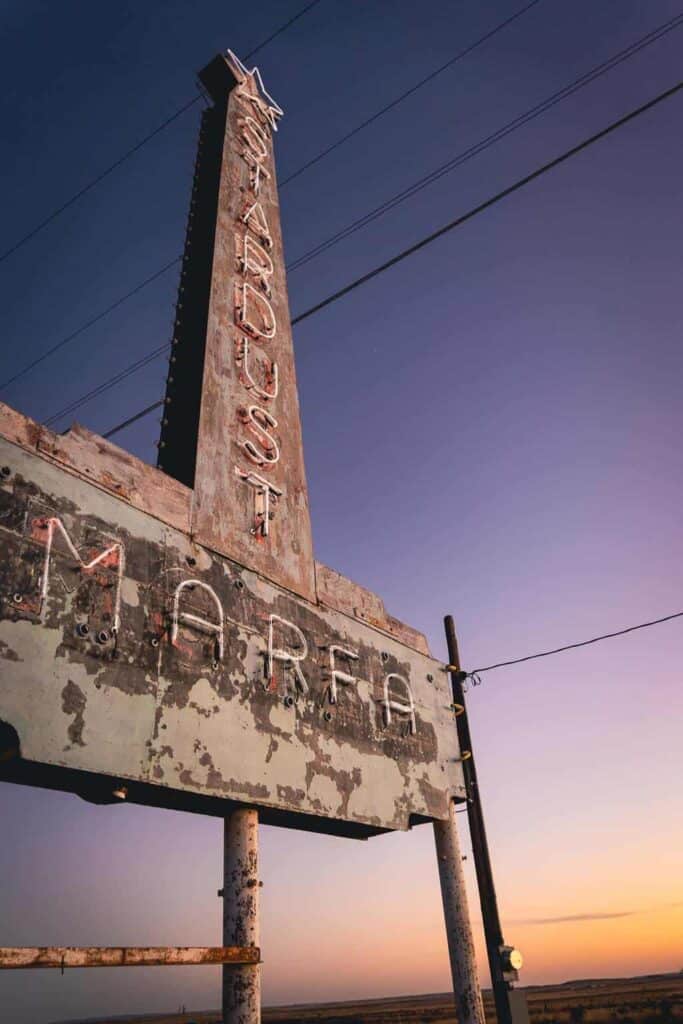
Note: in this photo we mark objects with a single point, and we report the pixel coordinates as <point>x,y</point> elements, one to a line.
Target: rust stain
<point>7,654</point>
<point>73,703</point>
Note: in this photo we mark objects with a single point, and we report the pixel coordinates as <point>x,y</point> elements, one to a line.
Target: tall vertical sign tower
<point>231,427</point>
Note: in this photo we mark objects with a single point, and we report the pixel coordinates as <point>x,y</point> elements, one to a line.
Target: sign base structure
<point>140,665</point>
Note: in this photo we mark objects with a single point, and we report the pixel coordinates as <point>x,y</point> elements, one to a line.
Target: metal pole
<point>468,1001</point>
<point>510,1005</point>
<point>241,984</point>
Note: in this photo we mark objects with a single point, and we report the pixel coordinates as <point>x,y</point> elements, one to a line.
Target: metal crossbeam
<point>23,957</point>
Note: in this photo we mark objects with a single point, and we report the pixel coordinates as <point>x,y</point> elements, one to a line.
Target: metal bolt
<point>83,629</point>
<point>154,641</point>
<point>430,677</point>
<point>289,701</point>
<point>328,716</point>
<point>384,656</point>
<point>18,598</point>
<point>190,560</point>
<point>6,471</point>
<point>239,584</point>
<point>103,636</point>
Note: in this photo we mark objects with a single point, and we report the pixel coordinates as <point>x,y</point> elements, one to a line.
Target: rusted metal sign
<point>166,636</point>
<point>247,466</point>
<point>131,653</point>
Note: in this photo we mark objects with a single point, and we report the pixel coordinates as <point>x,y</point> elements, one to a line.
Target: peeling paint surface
<point>216,682</point>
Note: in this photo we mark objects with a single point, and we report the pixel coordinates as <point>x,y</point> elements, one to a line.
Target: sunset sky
<point>492,429</point>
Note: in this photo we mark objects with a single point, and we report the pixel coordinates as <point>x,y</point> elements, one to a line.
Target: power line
<point>100,177</point>
<point>484,144</point>
<point>107,384</point>
<point>409,92</point>
<point>133,419</point>
<point>138,146</point>
<point>481,207</point>
<point>89,323</point>
<point>186,106</point>
<point>570,647</point>
<point>413,189</point>
<point>463,218</point>
<point>280,30</point>
<point>99,316</point>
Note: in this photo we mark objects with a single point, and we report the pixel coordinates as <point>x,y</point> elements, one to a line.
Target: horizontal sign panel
<point>131,653</point>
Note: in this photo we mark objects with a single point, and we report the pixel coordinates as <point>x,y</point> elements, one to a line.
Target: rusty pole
<point>511,1007</point>
<point>469,1006</point>
<point>241,984</point>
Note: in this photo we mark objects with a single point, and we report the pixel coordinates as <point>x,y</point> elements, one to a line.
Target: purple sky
<point>491,429</point>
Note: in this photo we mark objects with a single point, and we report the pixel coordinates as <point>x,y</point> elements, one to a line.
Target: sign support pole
<point>469,1006</point>
<point>510,1004</point>
<point>241,984</point>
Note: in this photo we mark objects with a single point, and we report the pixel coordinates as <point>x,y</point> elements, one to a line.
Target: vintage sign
<point>251,498</point>
<point>131,653</point>
<point>165,634</point>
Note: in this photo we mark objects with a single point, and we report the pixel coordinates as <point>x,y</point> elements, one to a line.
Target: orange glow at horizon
<point>390,938</point>
<point>386,959</point>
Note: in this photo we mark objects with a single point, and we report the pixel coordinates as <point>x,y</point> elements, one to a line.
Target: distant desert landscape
<point>653,999</point>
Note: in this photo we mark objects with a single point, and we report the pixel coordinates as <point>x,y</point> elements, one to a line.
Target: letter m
<point>111,558</point>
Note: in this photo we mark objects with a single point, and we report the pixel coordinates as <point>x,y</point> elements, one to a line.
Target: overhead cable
<point>133,419</point>
<point>570,647</point>
<point>107,384</point>
<point>481,207</point>
<point>409,92</point>
<point>416,187</point>
<point>483,144</point>
<point>138,146</point>
<point>100,177</point>
<point>488,203</point>
<point>89,323</point>
<point>281,29</point>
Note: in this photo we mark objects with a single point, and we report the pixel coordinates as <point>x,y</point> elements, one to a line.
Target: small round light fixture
<point>512,958</point>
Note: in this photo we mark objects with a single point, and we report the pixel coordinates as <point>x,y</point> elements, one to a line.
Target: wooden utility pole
<point>504,960</point>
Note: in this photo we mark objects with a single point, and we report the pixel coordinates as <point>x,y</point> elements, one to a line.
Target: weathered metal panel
<point>250,493</point>
<point>14,958</point>
<point>146,658</point>
<point>84,454</point>
<point>106,465</point>
<point>336,591</point>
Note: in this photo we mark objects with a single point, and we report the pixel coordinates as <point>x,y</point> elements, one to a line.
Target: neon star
<point>270,108</point>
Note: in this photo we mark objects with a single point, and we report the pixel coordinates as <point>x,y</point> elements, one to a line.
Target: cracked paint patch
<point>73,703</point>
